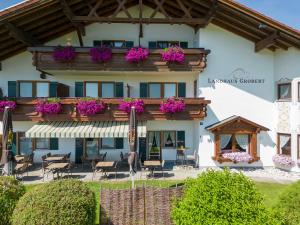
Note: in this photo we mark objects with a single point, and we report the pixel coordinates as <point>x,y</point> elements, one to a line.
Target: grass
<point>270,191</point>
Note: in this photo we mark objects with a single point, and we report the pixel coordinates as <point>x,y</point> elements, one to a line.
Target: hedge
<point>63,202</point>
<point>221,198</point>
<point>288,205</point>
<point>10,192</point>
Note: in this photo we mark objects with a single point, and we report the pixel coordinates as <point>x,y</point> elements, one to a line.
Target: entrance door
<point>78,150</point>
<point>154,143</point>
<point>143,148</point>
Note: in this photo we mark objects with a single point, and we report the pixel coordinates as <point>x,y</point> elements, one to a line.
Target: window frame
<point>162,88</point>
<point>234,141</point>
<point>279,151</point>
<point>18,136</point>
<point>114,41</point>
<point>34,87</point>
<point>35,144</point>
<point>101,144</point>
<point>169,43</point>
<point>278,91</point>
<point>163,139</point>
<point>100,87</point>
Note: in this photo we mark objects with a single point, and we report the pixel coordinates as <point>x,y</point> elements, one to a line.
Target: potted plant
<point>48,106</point>
<point>5,102</point>
<point>137,55</point>
<point>173,54</point>
<point>101,54</point>
<point>127,103</point>
<point>89,106</point>
<point>172,105</point>
<point>238,157</point>
<point>64,53</point>
<point>283,161</point>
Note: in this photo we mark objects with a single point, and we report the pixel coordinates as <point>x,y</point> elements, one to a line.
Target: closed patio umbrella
<point>7,141</point>
<point>132,140</point>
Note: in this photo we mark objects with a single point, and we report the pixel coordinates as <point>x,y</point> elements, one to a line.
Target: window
<point>92,147</point>
<point>169,90</point>
<point>107,143</point>
<point>33,89</point>
<point>42,143</point>
<point>154,90</point>
<point>107,90</point>
<point>91,89</point>
<point>284,144</point>
<point>166,44</point>
<point>234,143</point>
<point>169,139</point>
<point>284,91</point>
<point>25,144</point>
<point>114,44</point>
<point>101,89</point>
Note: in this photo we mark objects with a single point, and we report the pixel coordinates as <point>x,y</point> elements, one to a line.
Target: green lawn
<point>270,191</point>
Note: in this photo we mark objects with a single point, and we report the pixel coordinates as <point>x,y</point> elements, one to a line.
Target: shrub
<point>221,198</point>
<point>62,202</point>
<point>289,204</point>
<point>10,192</point>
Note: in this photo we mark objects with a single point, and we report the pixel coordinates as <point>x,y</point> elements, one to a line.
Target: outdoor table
<point>19,158</point>
<point>151,165</point>
<point>55,158</point>
<point>105,165</point>
<point>56,167</point>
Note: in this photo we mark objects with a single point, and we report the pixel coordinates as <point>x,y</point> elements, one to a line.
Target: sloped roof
<point>233,119</point>
<point>35,22</point>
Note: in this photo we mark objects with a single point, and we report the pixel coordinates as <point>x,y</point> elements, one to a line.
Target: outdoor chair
<point>104,156</point>
<point>94,169</point>
<point>84,161</point>
<point>161,168</point>
<point>48,154</point>
<point>29,159</point>
<point>68,157</point>
<point>180,156</point>
<point>44,166</point>
<point>192,159</point>
<point>20,169</point>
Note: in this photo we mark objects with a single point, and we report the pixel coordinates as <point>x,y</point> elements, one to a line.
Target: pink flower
<point>238,156</point>
<point>173,54</point>
<point>90,107</point>
<point>283,160</point>
<point>10,104</point>
<point>172,105</point>
<point>136,55</point>
<point>64,54</point>
<point>48,107</point>
<point>100,54</point>
<point>126,104</point>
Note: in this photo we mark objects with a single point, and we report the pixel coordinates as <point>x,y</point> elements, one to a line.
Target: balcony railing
<point>195,60</point>
<point>195,110</point>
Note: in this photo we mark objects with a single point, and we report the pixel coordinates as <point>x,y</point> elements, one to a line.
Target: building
<point>239,80</point>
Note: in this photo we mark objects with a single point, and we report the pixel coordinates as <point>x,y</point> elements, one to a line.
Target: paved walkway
<point>271,175</point>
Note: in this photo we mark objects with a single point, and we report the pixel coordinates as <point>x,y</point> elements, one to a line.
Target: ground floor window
<point>42,143</point>
<point>96,146</point>
<point>25,144</point>
<point>234,143</point>
<point>284,144</point>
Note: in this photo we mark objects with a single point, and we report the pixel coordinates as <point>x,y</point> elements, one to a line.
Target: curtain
<point>225,138</point>
<point>243,141</point>
<point>285,91</point>
<point>285,144</point>
<point>284,140</point>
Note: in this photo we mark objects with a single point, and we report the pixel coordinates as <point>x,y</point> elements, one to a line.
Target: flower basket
<point>89,107</point>
<point>238,157</point>
<point>172,105</point>
<point>48,106</point>
<point>101,54</point>
<point>137,55</point>
<point>10,104</point>
<point>64,54</point>
<point>173,54</point>
<point>127,103</point>
<point>283,161</point>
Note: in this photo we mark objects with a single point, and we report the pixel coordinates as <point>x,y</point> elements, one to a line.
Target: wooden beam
<point>184,9</point>
<point>20,35</point>
<point>94,10</point>
<point>210,15</point>
<point>267,42</point>
<point>194,21</point>
<point>159,8</point>
<point>69,14</point>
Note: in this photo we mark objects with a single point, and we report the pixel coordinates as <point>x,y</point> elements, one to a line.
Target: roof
<point>35,22</point>
<point>233,119</point>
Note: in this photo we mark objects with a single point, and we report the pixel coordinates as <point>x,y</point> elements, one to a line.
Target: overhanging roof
<point>233,119</point>
<point>35,22</point>
<point>96,129</point>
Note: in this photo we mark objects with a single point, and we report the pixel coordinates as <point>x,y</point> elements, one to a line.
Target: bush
<point>288,204</point>
<point>221,198</point>
<point>10,192</point>
<point>63,202</point>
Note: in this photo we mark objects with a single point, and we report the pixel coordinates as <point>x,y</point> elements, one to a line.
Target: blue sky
<point>285,11</point>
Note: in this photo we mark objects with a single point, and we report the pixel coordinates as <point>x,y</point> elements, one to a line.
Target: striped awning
<point>97,129</point>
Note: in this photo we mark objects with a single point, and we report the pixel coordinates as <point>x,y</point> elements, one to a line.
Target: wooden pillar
<point>253,145</point>
<point>217,146</point>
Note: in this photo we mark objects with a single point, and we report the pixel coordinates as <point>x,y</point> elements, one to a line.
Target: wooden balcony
<point>195,110</point>
<point>195,60</point>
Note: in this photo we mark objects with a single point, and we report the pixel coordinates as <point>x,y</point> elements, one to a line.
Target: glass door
<point>154,145</point>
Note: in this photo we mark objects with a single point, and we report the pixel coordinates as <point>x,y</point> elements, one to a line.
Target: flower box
<point>238,157</point>
<point>127,103</point>
<point>137,55</point>
<point>101,54</point>
<point>64,54</point>
<point>283,161</point>
<point>48,106</point>
<point>172,105</point>
<point>173,54</point>
<point>90,107</point>
<point>4,103</point>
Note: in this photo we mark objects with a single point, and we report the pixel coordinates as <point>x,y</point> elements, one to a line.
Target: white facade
<point>232,57</point>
